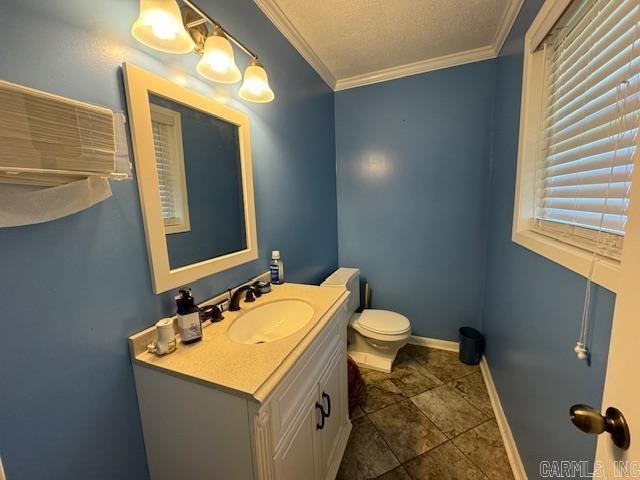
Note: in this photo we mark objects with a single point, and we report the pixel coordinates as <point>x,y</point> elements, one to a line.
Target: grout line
<point>447,438</point>
<point>467,375</point>
<point>470,461</point>
<point>387,444</point>
<point>469,458</point>
<point>465,455</point>
<point>475,426</point>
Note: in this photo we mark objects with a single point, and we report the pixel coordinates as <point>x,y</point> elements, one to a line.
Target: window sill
<point>605,273</point>
<point>181,228</point>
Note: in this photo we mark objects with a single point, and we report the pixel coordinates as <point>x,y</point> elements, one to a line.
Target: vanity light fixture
<point>217,62</point>
<point>165,26</point>
<point>160,26</point>
<point>255,87</point>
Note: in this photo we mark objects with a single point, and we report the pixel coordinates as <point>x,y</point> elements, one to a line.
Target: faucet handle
<point>251,296</point>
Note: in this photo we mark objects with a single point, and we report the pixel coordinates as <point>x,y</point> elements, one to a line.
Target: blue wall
<point>76,288</point>
<point>413,165</point>
<point>532,305</point>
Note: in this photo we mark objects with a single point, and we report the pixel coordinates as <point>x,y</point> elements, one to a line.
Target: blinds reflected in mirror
<point>167,142</point>
<point>591,112</point>
<point>166,176</point>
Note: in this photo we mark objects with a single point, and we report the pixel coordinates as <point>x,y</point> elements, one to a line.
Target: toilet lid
<point>384,321</point>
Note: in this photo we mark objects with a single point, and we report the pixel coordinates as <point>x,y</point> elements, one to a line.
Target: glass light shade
<point>217,62</point>
<point>255,87</point>
<point>160,26</point>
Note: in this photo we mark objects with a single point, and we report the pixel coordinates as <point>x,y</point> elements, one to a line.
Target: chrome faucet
<point>252,293</point>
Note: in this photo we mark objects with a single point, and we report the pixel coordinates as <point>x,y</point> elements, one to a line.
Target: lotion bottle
<point>189,324</point>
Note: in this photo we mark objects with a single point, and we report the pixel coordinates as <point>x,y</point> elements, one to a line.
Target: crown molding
<point>506,24</point>
<point>438,63</point>
<point>274,13</point>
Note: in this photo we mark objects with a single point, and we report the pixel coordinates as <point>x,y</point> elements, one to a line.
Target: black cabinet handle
<point>320,426</point>
<point>326,396</point>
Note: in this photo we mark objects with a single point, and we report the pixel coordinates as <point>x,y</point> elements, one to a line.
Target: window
<point>167,141</point>
<point>579,126</point>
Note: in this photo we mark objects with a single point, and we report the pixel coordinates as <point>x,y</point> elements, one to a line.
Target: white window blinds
<point>166,174</point>
<point>167,141</point>
<point>590,116</point>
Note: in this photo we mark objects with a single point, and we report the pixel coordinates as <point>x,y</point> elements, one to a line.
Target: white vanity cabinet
<point>313,445</point>
<point>298,431</point>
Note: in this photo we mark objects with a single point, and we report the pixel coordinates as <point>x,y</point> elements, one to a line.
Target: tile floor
<point>430,418</point>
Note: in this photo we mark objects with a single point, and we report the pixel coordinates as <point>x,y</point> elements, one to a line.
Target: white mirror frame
<point>139,83</point>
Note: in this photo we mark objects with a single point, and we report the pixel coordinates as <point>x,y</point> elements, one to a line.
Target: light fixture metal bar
<point>214,22</point>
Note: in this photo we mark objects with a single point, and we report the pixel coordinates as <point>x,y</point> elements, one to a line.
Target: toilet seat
<point>383,322</point>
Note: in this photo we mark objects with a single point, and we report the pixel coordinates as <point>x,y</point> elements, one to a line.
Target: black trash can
<point>471,346</point>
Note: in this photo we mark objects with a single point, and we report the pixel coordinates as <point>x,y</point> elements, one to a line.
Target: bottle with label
<point>277,268</point>
<point>189,324</point>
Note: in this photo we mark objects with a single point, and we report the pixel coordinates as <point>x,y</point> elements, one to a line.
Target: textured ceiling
<point>357,37</point>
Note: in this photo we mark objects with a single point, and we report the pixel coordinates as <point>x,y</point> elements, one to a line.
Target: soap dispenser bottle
<point>189,324</point>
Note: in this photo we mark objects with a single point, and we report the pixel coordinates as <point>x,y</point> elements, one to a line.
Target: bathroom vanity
<point>270,408</point>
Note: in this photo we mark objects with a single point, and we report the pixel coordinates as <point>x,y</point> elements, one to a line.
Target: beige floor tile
<point>474,391</point>
<point>406,430</point>
<point>378,392</point>
<point>396,474</point>
<point>357,412</point>
<point>448,410</point>
<point>411,379</point>
<point>447,366</point>
<point>445,462</point>
<point>483,445</point>
<point>367,455</point>
<point>442,364</point>
<point>446,399</point>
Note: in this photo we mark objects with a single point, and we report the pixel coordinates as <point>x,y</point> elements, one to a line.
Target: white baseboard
<point>434,343</point>
<point>505,431</point>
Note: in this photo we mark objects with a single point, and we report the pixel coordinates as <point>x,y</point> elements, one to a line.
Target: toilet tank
<point>349,278</point>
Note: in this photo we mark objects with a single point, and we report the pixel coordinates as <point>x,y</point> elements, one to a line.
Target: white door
<point>622,384</point>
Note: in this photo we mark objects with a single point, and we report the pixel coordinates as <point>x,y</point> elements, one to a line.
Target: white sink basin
<point>271,321</point>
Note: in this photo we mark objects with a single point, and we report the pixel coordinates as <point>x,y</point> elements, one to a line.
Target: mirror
<point>193,166</point>
<point>200,179</point>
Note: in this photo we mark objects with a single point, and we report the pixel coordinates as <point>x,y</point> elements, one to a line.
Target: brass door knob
<point>590,420</point>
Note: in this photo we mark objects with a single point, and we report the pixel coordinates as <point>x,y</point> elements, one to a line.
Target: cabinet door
<point>333,397</point>
<point>298,458</point>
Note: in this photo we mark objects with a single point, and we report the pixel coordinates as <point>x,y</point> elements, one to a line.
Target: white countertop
<point>251,371</point>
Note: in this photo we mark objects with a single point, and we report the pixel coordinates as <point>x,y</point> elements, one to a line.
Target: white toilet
<point>374,336</point>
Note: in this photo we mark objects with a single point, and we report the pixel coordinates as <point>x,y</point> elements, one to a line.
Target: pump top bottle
<point>189,324</point>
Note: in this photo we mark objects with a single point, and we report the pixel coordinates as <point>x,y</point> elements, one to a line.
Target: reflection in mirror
<point>200,179</point>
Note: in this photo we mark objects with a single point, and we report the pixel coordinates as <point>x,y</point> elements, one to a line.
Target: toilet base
<point>374,354</point>
<point>372,361</point>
